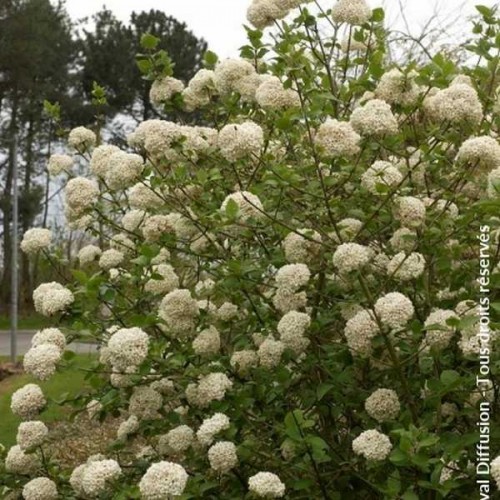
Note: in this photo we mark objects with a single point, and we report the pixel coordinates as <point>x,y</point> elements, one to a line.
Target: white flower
<point>212,387</point>
<point>98,475</point>
<point>145,403</point>
<point>169,280</point>
<point>243,361</point>
<point>49,336</point>
<point>292,328</point>
<point>207,342</point>
<point>28,401</point>
<point>211,427</point>
<point>223,457</point>
<point>110,259</point>
<point>229,72</point>
<point>271,94</point>
<point>292,277</point>
<point>162,481</point>
<point>457,104</point>
<point>82,138</point>
<point>270,352</point>
<point>381,173</point>
<point>164,89</point>
<point>35,240</point>
<point>41,361</point>
<point>240,141</point>
<point>99,162</point>
<point>123,170</point>
<point>406,267</point>
<point>337,139</point>
<point>394,309</point>
<point>302,246</point>
<point>383,405</point>
<point>179,311</point>
<point>41,488</point>
<point>248,204</point>
<point>266,485</point>
<point>482,152</point>
<point>351,257</point>
<point>176,441</point>
<point>359,332</point>
<point>263,13</point>
<point>373,445</point>
<point>397,88</point>
<point>81,194</point>
<point>31,434</point>
<point>439,338</point>
<point>132,220</point>
<point>59,164</point>
<point>375,118</point>
<point>51,298</point>
<point>410,211</point>
<point>89,254</point>
<point>129,426</point>
<point>352,12</point>
<point>403,240</point>
<point>128,347</point>
<point>18,462</point>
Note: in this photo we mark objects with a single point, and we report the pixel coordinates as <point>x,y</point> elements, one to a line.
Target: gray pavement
<point>24,343</point>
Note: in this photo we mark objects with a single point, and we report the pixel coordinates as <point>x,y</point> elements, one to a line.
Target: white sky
<point>219,22</point>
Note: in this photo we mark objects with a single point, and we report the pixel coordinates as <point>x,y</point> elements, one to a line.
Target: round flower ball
<point>163,481</point>
<point>35,240</point>
<point>266,485</point>
<point>394,309</point>
<point>41,488</point>
<point>28,401</point>
<point>383,405</point>
<point>223,457</point>
<point>373,445</point>
<point>351,257</point>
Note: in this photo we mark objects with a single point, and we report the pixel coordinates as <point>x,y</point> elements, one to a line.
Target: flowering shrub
<point>285,296</point>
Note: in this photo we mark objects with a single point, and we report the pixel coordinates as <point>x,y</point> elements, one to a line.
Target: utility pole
<point>15,255</point>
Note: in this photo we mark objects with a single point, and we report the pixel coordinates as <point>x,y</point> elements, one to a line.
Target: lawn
<point>69,382</point>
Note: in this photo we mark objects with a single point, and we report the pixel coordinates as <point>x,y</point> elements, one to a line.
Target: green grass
<point>25,322</point>
<point>70,381</point>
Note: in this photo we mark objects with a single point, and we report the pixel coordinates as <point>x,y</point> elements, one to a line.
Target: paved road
<point>24,343</point>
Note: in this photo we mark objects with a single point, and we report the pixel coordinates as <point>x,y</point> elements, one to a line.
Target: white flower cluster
<point>207,342</point>
<point>145,403</point>
<point>337,139</point>
<point>123,170</point>
<point>164,89</point>
<point>111,259</point>
<point>397,88</point>
<point>82,138</point>
<point>410,211</point>
<point>51,298</point>
<point>302,246</point>
<point>223,457</point>
<point>243,361</point>
<point>383,405</point>
<point>211,387</point>
<point>266,485</point>
<point>373,445</point>
<point>35,240</point>
<point>482,152</point>
<point>94,478</point>
<point>292,277</point>
<point>270,352</point>
<point>128,347</point>
<point>128,427</point>
<point>375,118</point>
<point>212,426</point>
<point>439,337</point>
<point>394,309</point>
<point>241,141</point>
<point>59,164</point>
<point>458,104</point>
<point>248,204</point>
<point>40,488</point>
<point>168,283</point>
<point>354,12</point>
<point>19,462</point>
<point>230,73</point>
<point>176,441</point>
<point>403,240</point>
<point>359,332</point>
<point>81,194</point>
<point>263,13</point>
<point>31,434</point>
<point>163,480</point>
<point>199,90</point>
<point>292,328</point>
<point>28,401</point>
<point>271,94</point>
<point>381,174</point>
<point>99,162</point>
<point>351,257</point>
<point>405,267</point>
<point>179,311</point>
<point>41,360</point>
<point>89,254</point>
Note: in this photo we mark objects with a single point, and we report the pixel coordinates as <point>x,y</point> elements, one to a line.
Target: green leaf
<point>149,42</point>
<point>210,58</point>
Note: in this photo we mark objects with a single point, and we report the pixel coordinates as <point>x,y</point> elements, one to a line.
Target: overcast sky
<point>220,21</point>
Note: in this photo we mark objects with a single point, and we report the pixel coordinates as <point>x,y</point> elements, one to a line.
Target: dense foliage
<point>294,298</point>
